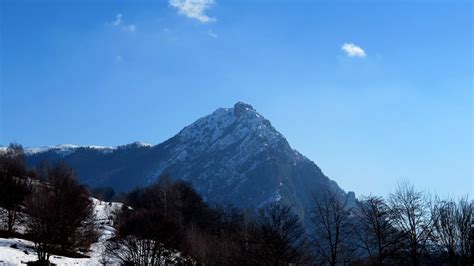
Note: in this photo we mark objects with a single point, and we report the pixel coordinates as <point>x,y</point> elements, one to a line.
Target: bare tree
<point>452,228</point>
<point>469,257</point>
<point>208,249</point>
<point>60,214</point>
<point>144,237</point>
<point>445,235</point>
<point>41,223</point>
<point>220,243</point>
<point>464,222</point>
<point>177,201</point>
<point>410,213</point>
<point>75,211</point>
<point>375,232</point>
<point>332,229</point>
<point>14,184</point>
<point>180,216</point>
<point>277,238</point>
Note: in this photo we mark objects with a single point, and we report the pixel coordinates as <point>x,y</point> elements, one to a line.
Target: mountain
<point>233,155</point>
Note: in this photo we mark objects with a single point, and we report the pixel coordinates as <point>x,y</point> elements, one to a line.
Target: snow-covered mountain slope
<point>233,155</point>
<point>241,129</point>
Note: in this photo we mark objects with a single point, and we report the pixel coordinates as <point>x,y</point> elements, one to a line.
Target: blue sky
<point>372,92</point>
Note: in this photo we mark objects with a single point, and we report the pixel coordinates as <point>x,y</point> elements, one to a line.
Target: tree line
<point>168,222</point>
<point>408,228</point>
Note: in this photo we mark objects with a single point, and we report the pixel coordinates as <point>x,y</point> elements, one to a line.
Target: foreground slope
<point>17,251</point>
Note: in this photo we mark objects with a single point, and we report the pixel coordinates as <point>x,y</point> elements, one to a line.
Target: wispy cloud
<point>212,34</point>
<point>194,9</point>
<point>353,50</point>
<point>118,22</point>
<point>130,27</point>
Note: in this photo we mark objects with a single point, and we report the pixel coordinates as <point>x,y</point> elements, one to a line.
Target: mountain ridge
<point>234,155</point>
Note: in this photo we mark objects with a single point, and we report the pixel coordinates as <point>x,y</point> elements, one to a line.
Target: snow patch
<point>275,197</point>
<point>67,149</point>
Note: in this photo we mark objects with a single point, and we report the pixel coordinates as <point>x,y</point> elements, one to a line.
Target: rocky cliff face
<point>233,155</point>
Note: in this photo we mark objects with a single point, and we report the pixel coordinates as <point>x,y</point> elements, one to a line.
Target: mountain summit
<point>229,125</point>
<point>233,155</point>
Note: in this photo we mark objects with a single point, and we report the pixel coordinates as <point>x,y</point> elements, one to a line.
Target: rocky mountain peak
<point>241,125</point>
<point>241,108</point>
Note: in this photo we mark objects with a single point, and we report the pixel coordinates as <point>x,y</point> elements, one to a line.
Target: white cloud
<point>130,27</point>
<point>118,22</point>
<point>193,9</point>
<point>212,34</point>
<point>353,50</point>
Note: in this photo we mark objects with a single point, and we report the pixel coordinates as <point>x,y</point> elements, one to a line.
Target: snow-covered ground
<point>14,251</point>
